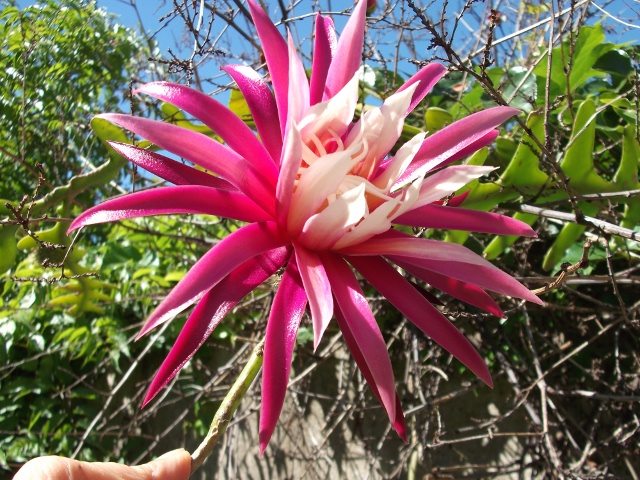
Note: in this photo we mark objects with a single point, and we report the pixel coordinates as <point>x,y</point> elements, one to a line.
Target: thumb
<point>175,465</point>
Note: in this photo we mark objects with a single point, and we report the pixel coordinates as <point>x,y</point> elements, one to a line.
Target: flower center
<point>341,195</point>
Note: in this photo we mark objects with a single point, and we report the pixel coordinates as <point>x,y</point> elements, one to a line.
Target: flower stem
<point>228,407</point>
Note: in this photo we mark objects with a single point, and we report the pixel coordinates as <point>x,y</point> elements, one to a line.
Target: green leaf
<point>577,163</point>
<point>436,118</point>
<point>521,88</point>
<point>500,243</point>
<point>616,62</point>
<point>8,247</point>
<point>567,237</point>
<point>523,172</point>
<point>239,106</point>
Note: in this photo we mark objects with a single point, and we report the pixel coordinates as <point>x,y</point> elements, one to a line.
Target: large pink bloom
<point>319,195</point>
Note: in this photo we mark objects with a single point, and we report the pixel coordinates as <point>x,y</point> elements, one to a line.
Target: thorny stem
<point>228,407</point>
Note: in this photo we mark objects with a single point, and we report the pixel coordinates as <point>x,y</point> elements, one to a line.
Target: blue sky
<point>152,10</point>
<point>168,33</point>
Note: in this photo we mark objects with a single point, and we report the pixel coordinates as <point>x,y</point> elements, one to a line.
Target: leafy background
<point>567,375</point>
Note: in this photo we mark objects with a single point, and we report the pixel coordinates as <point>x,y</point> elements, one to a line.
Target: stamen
<point>337,139</point>
<point>308,155</point>
<point>320,148</point>
<point>362,155</point>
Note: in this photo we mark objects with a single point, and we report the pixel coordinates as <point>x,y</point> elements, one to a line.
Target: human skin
<point>175,465</point>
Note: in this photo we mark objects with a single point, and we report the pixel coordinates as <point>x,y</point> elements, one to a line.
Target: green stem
<point>228,407</point>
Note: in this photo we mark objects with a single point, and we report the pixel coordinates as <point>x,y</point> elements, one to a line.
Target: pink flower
<point>319,194</point>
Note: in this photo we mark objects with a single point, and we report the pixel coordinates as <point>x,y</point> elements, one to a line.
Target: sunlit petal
<point>298,96</point>
<point>206,152</point>
<point>322,230</point>
<point>454,138</point>
<point>217,117</point>
<point>324,47</point>
<point>384,278</point>
<point>262,105</point>
<point>399,163</point>
<point>318,289</point>
<point>291,159</point>
<point>426,78</point>
<point>173,200</point>
<point>447,181</point>
<point>211,310</point>
<point>286,312</point>
<point>276,53</point>
<point>168,169</point>
<point>452,218</point>
<point>316,183</point>
<point>217,263</point>
<point>446,258</point>
<point>355,309</point>
<point>348,54</point>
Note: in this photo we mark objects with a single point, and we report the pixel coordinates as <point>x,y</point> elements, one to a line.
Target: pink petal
<point>168,169</point>
<point>276,55</point>
<point>466,292</point>
<point>453,139</point>
<point>171,200</point>
<point>318,288</point>
<point>398,422</point>
<point>206,152</point>
<point>323,50</point>
<point>428,76</point>
<point>216,264</point>
<point>262,105</point>
<point>392,285</point>
<point>299,95</point>
<point>217,117</point>
<point>333,116</point>
<point>455,201</point>
<point>445,258</point>
<point>210,311</point>
<point>452,218</point>
<point>282,328</point>
<point>470,149</point>
<point>355,309</point>
<point>348,54</point>
<point>482,276</point>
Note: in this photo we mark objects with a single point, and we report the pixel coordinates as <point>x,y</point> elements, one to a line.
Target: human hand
<point>175,465</point>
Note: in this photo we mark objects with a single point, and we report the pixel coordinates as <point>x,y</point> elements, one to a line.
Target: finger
<point>175,465</point>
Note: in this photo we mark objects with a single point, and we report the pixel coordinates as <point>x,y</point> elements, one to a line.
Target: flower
<point>319,194</point>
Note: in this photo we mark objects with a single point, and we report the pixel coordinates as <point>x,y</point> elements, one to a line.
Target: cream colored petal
<point>376,222</point>
<point>399,163</point>
<point>409,198</point>
<point>335,114</point>
<point>447,181</point>
<point>323,230</point>
<point>316,183</point>
<point>381,128</point>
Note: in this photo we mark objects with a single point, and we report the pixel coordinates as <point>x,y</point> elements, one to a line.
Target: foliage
<point>554,160</point>
<point>63,63</point>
